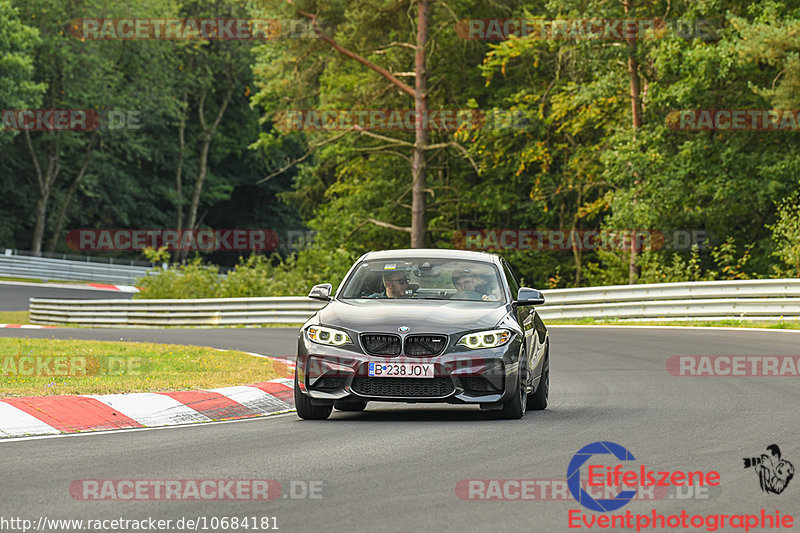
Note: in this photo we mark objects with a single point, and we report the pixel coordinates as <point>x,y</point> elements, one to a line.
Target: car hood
<point>431,316</point>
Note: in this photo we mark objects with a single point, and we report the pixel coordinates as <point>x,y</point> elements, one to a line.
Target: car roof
<point>433,253</point>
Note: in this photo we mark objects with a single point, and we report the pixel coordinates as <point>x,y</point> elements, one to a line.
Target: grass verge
<point>14,317</point>
<point>45,367</point>
<point>23,317</point>
<point>38,280</point>
<point>692,323</point>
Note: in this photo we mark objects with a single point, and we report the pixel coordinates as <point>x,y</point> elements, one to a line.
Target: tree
<point>394,55</point>
<point>94,75</point>
<point>211,71</point>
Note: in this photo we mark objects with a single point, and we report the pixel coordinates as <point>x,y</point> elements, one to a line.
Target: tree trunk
<point>419,226</point>
<point>45,179</point>
<point>198,185</point>
<point>208,133</point>
<point>419,164</point>
<point>62,214</point>
<point>38,229</point>
<point>576,250</point>
<point>636,114</point>
<point>179,169</point>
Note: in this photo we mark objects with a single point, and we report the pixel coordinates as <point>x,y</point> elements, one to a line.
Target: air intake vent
<point>381,344</point>
<point>328,383</point>
<point>479,385</point>
<point>403,387</point>
<point>425,345</point>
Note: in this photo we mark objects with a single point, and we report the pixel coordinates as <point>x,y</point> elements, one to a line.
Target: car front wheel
<point>514,408</point>
<point>538,400</point>
<point>304,408</point>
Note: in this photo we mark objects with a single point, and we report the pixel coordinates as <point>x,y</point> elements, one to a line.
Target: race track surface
<point>14,297</point>
<point>396,467</point>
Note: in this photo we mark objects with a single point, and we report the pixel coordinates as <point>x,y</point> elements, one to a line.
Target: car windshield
<point>425,279</point>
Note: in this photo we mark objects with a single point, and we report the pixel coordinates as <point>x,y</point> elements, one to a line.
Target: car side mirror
<point>321,292</point>
<point>528,296</point>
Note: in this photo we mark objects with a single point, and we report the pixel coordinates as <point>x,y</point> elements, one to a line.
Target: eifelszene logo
<point>774,473</point>
<point>574,477</point>
<point>627,476</point>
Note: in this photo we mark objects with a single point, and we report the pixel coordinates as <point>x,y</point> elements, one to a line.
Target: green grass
<point>690,323</point>
<point>36,280</point>
<point>14,317</point>
<point>23,317</point>
<point>44,367</point>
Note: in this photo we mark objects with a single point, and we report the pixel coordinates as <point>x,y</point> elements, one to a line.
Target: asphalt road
<point>396,468</point>
<point>14,296</point>
<point>279,342</point>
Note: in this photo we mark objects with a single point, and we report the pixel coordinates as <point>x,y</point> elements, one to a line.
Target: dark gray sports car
<point>424,326</point>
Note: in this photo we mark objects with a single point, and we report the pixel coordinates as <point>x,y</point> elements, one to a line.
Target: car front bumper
<point>484,376</point>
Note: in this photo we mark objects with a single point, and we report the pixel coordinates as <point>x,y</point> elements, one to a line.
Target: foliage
<point>254,276</point>
<point>18,90</point>
<point>786,234</point>
<point>190,280</point>
<point>571,160</point>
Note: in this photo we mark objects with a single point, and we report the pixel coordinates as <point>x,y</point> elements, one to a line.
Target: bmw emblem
<point>403,329</point>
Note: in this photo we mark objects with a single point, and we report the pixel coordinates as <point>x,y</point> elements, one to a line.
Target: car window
<point>430,279</point>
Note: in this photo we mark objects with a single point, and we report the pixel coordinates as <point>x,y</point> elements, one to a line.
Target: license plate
<point>400,370</point>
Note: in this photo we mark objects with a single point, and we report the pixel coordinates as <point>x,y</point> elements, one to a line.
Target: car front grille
<point>403,387</point>
<point>425,345</point>
<point>381,344</point>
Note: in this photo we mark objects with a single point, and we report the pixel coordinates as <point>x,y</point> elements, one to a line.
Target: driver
<point>395,284</point>
<point>465,281</point>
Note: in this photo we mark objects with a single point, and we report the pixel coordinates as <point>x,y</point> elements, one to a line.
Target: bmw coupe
<point>424,326</point>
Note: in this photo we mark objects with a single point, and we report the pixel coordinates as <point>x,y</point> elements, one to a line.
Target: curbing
<point>55,415</point>
<point>110,287</point>
<point>26,326</point>
<point>79,286</point>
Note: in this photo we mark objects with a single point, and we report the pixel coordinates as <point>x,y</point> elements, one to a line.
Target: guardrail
<point>22,266</point>
<point>199,312</point>
<point>770,299</point>
<point>759,299</point>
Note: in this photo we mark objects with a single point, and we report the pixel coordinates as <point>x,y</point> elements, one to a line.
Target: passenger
<point>466,283</point>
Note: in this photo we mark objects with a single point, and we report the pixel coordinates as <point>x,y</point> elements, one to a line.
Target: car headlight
<point>330,336</point>
<point>485,339</point>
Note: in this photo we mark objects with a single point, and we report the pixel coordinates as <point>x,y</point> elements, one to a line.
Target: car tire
<point>514,408</point>
<point>305,410</point>
<point>350,406</point>
<point>538,400</point>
